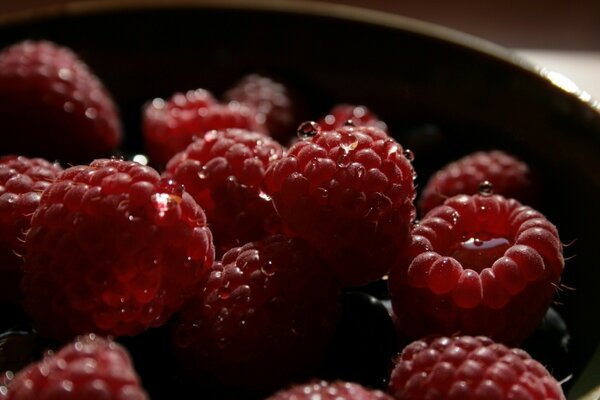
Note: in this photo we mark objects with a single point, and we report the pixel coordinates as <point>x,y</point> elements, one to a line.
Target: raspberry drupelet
<point>112,249</point>
<point>344,114</point>
<point>263,318</point>
<point>223,171</point>
<point>349,192</point>
<point>90,368</point>
<point>478,265</point>
<point>53,106</point>
<point>22,181</point>
<point>169,126</point>
<point>469,368</point>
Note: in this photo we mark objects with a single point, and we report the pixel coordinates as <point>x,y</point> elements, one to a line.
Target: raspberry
<point>467,367</point>
<point>264,316</point>
<point>22,181</point>
<point>350,114</point>
<point>170,126</point>
<point>112,249</point>
<point>324,390</point>
<point>349,192</point>
<point>91,368</point>
<point>478,265</point>
<point>273,101</point>
<point>223,171</point>
<point>53,106</point>
<point>509,176</point>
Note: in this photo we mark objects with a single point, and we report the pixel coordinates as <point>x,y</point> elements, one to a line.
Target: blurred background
<point>561,36</point>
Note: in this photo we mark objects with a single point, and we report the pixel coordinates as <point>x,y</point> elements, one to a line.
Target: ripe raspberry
<point>478,265</point>
<point>273,101</point>
<point>264,316</point>
<point>465,368</point>
<point>170,126</point>
<point>349,192</point>
<point>91,368</point>
<point>510,177</point>
<point>112,249</point>
<point>324,390</point>
<point>350,114</point>
<point>223,171</point>
<point>22,181</point>
<point>53,106</point>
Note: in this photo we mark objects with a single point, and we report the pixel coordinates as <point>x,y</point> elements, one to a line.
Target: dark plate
<point>443,94</point>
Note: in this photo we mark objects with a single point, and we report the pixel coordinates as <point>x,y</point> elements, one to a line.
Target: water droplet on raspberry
<point>268,268</point>
<point>408,153</point>
<point>91,113</point>
<point>140,159</point>
<point>308,129</point>
<point>68,107</point>
<point>486,188</point>
<point>349,122</point>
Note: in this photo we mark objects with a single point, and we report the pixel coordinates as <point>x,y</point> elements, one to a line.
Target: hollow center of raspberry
<point>480,251</point>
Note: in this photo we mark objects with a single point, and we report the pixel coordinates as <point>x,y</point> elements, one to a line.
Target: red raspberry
<point>349,192</point>
<point>324,390</point>
<point>90,368</point>
<point>53,106</point>
<point>170,126</point>
<point>509,176</point>
<point>272,100</point>
<point>465,368</point>
<point>350,114</point>
<point>478,265</point>
<point>112,249</point>
<point>223,171</point>
<point>22,181</point>
<point>265,316</point>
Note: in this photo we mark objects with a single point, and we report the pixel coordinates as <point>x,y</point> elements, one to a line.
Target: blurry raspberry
<point>510,177</point>
<point>22,181</point>
<point>478,265</point>
<point>170,126</point>
<point>350,114</point>
<point>272,100</point>
<point>264,317</point>
<point>53,106</point>
<point>112,249</point>
<point>465,368</point>
<point>223,171</point>
<point>324,390</point>
<point>349,192</point>
<point>90,368</point>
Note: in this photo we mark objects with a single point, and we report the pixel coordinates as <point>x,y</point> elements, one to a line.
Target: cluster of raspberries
<point>241,234</point>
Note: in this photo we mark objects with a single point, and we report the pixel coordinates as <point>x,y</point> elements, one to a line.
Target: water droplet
<point>486,188</point>
<point>268,268</point>
<point>140,159</point>
<point>65,74</point>
<point>408,153</point>
<point>308,129</point>
<point>68,107</point>
<point>349,122</point>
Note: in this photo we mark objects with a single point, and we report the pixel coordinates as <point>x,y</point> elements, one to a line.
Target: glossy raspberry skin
<point>479,265</point>
<point>169,126</point>
<point>112,249</point>
<point>324,390</point>
<point>223,171</point>
<point>90,367</point>
<point>53,106</point>
<point>469,368</point>
<point>349,192</point>
<point>263,318</point>
<point>509,177</point>
<point>350,114</point>
<point>273,101</point>
<point>22,181</point>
